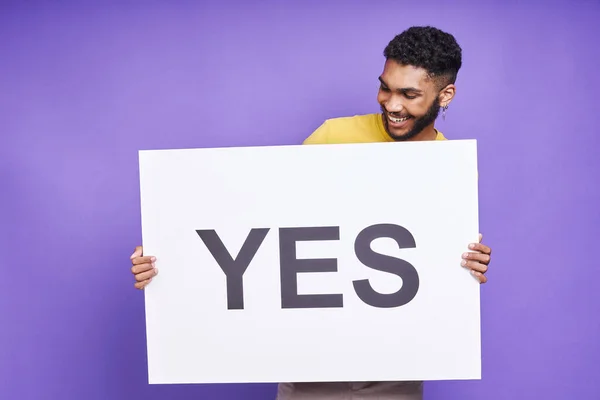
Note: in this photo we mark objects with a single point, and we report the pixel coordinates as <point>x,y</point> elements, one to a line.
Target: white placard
<point>355,322</point>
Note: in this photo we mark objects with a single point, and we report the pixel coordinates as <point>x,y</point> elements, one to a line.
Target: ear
<point>446,95</point>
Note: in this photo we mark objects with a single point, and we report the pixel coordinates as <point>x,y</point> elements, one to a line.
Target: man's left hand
<point>478,259</point>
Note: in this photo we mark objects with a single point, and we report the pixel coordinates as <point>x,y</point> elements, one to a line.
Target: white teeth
<point>397,120</point>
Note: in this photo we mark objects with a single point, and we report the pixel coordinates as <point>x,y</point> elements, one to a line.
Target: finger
<point>480,257</point>
<point>480,237</point>
<point>143,260</point>
<point>480,247</point>
<point>475,266</point>
<point>136,269</point>
<point>138,252</point>
<point>143,284</point>
<point>146,275</point>
<point>479,276</point>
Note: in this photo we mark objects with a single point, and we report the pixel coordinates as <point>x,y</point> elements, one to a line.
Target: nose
<point>394,104</point>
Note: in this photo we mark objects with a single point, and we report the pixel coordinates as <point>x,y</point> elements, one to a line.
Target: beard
<point>419,123</point>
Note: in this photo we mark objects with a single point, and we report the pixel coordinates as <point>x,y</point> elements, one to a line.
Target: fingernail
<point>475,273</point>
<point>155,271</point>
<point>463,263</point>
<point>131,257</point>
<point>153,259</point>
<point>465,255</point>
<point>471,246</point>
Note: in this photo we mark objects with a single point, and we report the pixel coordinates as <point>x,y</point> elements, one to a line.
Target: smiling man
<point>417,81</point>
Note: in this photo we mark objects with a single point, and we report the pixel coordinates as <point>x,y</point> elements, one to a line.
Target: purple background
<point>83,87</point>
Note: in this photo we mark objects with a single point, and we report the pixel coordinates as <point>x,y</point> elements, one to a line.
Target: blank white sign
<point>354,317</point>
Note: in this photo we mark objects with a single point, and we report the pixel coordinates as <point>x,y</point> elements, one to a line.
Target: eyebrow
<point>401,90</point>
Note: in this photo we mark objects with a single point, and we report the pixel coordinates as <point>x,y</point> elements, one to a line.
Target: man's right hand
<point>143,268</point>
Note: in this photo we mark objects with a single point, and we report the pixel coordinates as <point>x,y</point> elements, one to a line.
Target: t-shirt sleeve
<point>319,136</point>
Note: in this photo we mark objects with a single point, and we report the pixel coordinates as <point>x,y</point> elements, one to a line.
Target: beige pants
<point>351,391</point>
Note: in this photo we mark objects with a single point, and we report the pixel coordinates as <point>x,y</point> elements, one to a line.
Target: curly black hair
<point>429,48</point>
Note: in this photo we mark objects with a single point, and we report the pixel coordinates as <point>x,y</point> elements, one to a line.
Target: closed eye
<point>414,93</point>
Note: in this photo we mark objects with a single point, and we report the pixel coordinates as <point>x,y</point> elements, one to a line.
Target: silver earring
<point>444,108</point>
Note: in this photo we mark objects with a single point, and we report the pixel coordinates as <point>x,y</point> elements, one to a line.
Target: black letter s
<point>381,262</point>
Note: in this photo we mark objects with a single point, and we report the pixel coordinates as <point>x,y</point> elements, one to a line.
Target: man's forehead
<point>397,75</point>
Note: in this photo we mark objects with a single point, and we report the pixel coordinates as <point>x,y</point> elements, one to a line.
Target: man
<point>418,79</point>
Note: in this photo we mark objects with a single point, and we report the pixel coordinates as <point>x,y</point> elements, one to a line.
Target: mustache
<point>394,114</point>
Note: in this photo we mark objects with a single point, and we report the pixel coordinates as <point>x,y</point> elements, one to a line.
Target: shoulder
<point>328,131</point>
<point>440,135</point>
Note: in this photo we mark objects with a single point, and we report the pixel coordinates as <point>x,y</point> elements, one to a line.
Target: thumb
<point>480,237</point>
<point>137,253</point>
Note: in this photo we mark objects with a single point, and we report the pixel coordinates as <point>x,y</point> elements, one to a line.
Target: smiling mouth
<point>397,120</point>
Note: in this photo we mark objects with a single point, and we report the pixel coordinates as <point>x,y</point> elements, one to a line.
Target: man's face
<point>408,99</point>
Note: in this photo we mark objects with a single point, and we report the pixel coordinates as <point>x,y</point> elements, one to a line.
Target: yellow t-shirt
<point>357,129</point>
